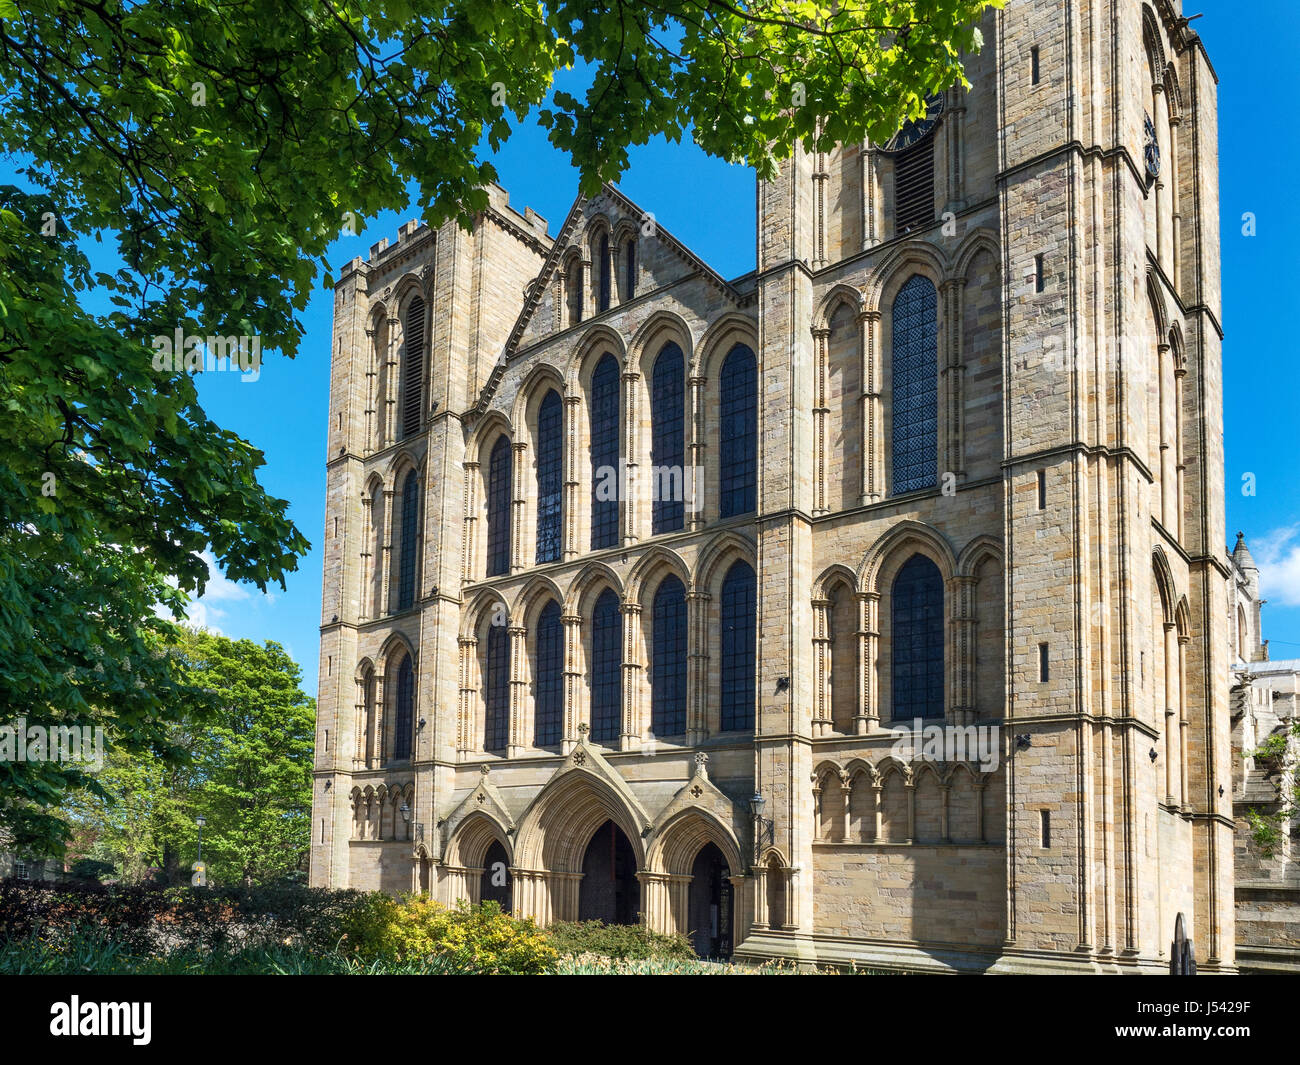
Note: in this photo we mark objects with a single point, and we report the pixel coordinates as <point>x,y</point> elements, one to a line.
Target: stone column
<point>629,475</point>
<point>823,711</point>
<point>468,696</point>
<point>696,448</point>
<point>821,413</point>
<point>370,443</point>
<point>518,504</point>
<point>952,383</point>
<point>867,719</point>
<point>870,198</point>
<point>392,383</point>
<point>873,463</point>
<point>380,746</point>
<point>518,734</point>
<point>697,679</point>
<point>954,146</point>
<point>1183,795</point>
<point>570,516</point>
<point>367,557</point>
<point>962,707</point>
<point>1164,459</point>
<point>470,547</point>
<point>632,730</point>
<point>387,555</point>
<point>572,679</point>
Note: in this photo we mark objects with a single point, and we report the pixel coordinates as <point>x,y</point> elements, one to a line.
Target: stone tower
<point>981,540</point>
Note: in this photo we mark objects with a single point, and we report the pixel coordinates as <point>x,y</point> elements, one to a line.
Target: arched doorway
<point>495,883</point>
<point>710,903</point>
<point>609,890</point>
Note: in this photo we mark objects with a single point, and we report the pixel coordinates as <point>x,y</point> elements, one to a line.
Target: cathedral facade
<point>867,608</point>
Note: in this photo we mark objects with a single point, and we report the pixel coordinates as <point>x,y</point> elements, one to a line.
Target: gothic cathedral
<point>870,607</point>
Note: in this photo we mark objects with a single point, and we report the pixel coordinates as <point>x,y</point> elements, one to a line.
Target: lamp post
<point>763,826</point>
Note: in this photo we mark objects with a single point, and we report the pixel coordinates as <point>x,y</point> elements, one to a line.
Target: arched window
<point>739,432</point>
<point>573,289</point>
<point>413,367</point>
<point>668,439</point>
<point>630,266</point>
<point>496,689</point>
<point>408,548</point>
<point>606,668</point>
<point>668,660</point>
<point>404,709</point>
<point>917,640</point>
<point>843,634</point>
<point>550,476</point>
<point>738,645</point>
<point>498,491</point>
<point>602,268</point>
<point>548,677</point>
<point>605,400</point>
<point>915,402</point>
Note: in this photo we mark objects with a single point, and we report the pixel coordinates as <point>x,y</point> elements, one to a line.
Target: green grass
<point>90,951</point>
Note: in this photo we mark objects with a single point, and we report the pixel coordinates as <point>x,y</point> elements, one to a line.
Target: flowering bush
<point>478,939</point>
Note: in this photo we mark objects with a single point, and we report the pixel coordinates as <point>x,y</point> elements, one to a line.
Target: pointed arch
<point>905,537</point>
<point>675,843</point>
<point>471,837</point>
<point>651,567</point>
<point>558,824</point>
<point>837,296</point>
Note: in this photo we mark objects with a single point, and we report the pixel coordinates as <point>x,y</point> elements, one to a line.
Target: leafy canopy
<point>220,149</point>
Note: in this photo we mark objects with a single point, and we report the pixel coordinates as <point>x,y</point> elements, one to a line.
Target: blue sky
<point>710,206</point>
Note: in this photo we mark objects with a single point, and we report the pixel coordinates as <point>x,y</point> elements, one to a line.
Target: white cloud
<point>213,606</point>
<point>1278,556</point>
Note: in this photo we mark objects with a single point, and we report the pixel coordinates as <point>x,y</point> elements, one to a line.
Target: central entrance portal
<point>609,890</point>
<point>495,883</point>
<point>711,904</point>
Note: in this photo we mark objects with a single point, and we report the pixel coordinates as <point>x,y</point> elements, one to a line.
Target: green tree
<point>247,770</point>
<point>220,148</point>
<point>252,760</point>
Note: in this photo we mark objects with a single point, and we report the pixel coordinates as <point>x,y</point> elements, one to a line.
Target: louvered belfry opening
<point>914,187</point>
<point>413,385</point>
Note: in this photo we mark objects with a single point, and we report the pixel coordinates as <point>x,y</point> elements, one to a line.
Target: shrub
<point>478,939</point>
<point>618,941</point>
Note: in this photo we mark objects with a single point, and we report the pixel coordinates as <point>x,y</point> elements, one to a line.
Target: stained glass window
<point>550,476</point>
<point>631,268</point>
<point>548,677</point>
<point>739,606</point>
<point>408,549</point>
<point>606,668</point>
<point>498,538</point>
<point>739,432</point>
<point>605,398</point>
<point>915,385</point>
<point>405,709</point>
<point>496,689</point>
<point>668,439</point>
<point>668,664</point>
<point>917,640</point>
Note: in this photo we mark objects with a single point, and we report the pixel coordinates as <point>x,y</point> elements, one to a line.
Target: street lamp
<point>763,826</point>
